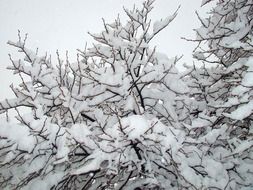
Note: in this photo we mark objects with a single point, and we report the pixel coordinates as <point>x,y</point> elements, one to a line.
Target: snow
<point>18,134</point>
<point>158,25</point>
<point>241,112</point>
<point>243,146</point>
<point>135,126</point>
<point>212,135</point>
<point>92,164</point>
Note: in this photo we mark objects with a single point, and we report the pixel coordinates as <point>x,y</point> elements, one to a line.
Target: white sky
<point>63,25</point>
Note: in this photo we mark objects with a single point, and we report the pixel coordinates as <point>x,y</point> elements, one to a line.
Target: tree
<point>104,122</point>
<point>222,88</point>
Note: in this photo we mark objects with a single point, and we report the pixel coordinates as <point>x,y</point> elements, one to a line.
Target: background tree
<point>222,88</point>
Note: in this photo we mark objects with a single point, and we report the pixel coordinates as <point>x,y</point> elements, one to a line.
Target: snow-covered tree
<point>223,89</point>
<point>109,121</point>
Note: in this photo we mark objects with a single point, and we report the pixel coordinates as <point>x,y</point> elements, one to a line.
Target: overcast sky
<point>63,25</point>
